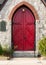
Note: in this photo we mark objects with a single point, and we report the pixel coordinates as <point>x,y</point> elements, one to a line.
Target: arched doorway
<point>23,29</point>
<point>26,13</point>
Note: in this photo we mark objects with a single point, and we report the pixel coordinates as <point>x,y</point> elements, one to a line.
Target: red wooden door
<point>23,30</point>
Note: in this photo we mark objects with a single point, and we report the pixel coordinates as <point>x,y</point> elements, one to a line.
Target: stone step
<point>23,54</point>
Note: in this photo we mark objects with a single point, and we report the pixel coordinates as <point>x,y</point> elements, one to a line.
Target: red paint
<point>23,30</point>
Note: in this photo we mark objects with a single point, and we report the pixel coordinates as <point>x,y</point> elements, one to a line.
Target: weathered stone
<point>5,37</point>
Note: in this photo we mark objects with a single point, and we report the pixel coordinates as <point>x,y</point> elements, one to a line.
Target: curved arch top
<point>26,4</point>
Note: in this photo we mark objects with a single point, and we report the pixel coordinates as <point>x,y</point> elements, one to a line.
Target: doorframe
<point>34,13</point>
<point>34,26</point>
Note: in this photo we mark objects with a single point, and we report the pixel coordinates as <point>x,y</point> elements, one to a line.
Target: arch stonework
<point>36,19</point>
<point>26,4</point>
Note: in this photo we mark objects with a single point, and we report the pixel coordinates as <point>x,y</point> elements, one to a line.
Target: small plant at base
<point>1,51</point>
<point>42,46</point>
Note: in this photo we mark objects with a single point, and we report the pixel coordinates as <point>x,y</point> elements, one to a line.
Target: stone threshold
<point>23,54</point>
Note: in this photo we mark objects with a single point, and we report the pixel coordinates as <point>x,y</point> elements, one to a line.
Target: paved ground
<point>23,61</point>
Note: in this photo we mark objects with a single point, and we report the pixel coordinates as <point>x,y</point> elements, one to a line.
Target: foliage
<point>42,46</point>
<point>1,51</point>
<point>6,51</point>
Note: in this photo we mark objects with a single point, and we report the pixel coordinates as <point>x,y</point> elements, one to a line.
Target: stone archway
<point>34,12</point>
<point>26,4</point>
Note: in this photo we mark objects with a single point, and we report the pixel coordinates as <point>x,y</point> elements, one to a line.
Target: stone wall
<point>5,37</point>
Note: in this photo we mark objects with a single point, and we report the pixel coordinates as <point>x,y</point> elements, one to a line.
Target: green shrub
<point>1,51</point>
<point>5,50</point>
<point>42,46</point>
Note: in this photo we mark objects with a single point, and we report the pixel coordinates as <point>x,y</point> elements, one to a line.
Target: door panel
<point>29,37</point>
<point>29,30</point>
<point>18,30</point>
<point>23,30</point>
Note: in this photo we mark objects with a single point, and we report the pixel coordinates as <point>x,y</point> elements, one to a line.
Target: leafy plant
<point>1,51</point>
<point>42,46</point>
<point>5,50</point>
